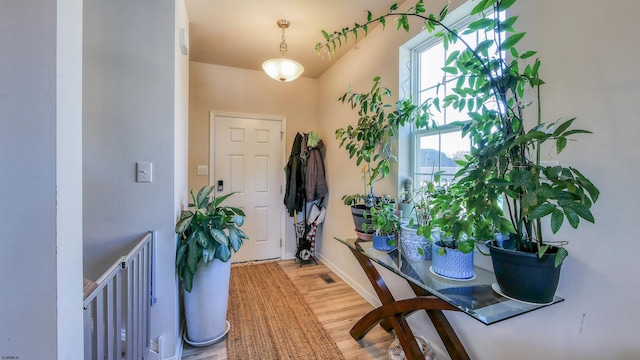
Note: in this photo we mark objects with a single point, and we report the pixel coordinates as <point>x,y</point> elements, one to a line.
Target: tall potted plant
<point>208,233</point>
<point>505,162</point>
<point>370,141</point>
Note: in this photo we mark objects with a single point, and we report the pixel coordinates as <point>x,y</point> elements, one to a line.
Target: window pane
<point>438,152</point>
<point>430,94</point>
<point>452,113</point>
<point>428,154</point>
<point>453,147</point>
<point>431,61</point>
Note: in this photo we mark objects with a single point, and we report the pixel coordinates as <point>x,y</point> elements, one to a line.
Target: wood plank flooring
<point>336,305</point>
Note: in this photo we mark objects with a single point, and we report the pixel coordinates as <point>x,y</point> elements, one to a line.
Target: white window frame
<point>457,19</point>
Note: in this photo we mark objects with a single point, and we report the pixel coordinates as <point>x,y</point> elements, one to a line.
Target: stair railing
<point>117,311</point>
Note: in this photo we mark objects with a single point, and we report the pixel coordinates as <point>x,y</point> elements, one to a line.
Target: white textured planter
<point>410,242</point>
<point>205,306</point>
<point>454,264</point>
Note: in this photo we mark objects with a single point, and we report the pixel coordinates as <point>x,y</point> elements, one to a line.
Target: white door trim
<point>283,127</point>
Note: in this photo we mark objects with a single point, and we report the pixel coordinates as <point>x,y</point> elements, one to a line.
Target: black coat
<point>294,196</point>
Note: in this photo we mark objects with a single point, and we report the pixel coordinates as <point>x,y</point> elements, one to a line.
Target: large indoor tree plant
<point>494,83</point>
<point>370,141</point>
<point>208,233</point>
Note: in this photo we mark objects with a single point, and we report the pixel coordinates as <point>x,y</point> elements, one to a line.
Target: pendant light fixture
<point>283,69</point>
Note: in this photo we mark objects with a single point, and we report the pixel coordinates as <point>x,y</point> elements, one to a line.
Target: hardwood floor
<point>336,305</point>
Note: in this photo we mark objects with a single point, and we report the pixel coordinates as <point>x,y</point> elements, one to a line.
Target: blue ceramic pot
<point>453,264</point>
<point>381,242</point>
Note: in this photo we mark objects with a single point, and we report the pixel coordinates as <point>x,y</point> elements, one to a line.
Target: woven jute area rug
<point>270,319</point>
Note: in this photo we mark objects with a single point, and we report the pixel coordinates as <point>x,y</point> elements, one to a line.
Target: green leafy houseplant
<point>421,198</point>
<point>386,225</point>
<point>207,231</point>
<point>505,165</point>
<point>370,141</point>
<point>440,208</point>
<point>457,227</point>
<point>384,219</point>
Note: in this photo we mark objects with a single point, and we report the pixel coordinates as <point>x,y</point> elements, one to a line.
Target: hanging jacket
<point>294,195</point>
<point>315,182</point>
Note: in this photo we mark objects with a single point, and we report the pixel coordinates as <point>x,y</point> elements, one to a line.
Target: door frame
<point>283,127</point>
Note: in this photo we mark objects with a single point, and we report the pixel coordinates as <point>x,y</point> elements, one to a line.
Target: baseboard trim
<point>179,344</point>
<point>367,293</point>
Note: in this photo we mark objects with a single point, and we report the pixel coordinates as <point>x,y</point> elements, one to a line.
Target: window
<point>438,149</point>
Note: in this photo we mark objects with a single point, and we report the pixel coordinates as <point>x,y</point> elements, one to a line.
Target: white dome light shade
<point>282,69</point>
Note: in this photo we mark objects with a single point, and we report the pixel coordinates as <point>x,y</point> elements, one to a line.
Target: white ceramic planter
<point>410,242</point>
<point>205,306</point>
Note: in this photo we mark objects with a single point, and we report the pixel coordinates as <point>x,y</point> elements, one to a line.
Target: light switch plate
<point>203,170</point>
<point>144,172</point>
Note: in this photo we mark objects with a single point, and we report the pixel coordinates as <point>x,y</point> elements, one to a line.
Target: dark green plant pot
<point>524,276</point>
<point>361,215</point>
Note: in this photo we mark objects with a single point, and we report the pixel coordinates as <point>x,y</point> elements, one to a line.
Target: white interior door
<point>247,159</point>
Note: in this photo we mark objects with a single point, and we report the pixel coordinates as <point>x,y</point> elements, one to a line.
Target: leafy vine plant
<point>503,180</point>
<point>370,141</point>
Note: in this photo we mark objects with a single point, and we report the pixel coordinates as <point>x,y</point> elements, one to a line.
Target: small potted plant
<point>416,244</point>
<point>405,203</point>
<point>386,224</point>
<point>453,232</point>
<point>208,233</point>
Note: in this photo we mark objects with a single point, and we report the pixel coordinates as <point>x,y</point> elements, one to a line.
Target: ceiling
<point>244,33</point>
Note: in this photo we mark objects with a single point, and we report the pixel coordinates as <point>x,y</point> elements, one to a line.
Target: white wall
<point>41,261</point>
<point>69,178</point>
<point>181,147</point>
<point>588,56</point>
<point>133,110</point>
<point>227,89</point>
